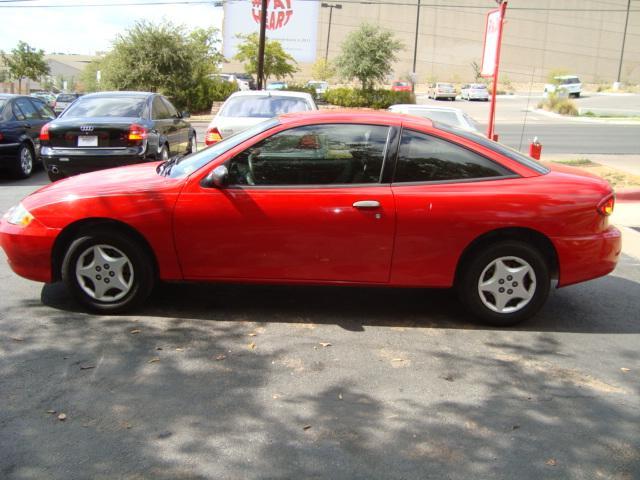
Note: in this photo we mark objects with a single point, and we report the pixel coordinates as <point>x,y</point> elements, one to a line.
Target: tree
<point>477,71</point>
<point>323,70</point>
<point>25,62</point>
<point>161,58</point>
<point>277,62</point>
<point>368,54</point>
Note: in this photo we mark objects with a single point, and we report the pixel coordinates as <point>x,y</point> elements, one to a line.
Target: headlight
<point>19,215</point>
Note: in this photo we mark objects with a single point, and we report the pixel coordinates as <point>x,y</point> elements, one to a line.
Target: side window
<point>423,158</point>
<point>18,113</point>
<point>43,110</point>
<point>313,155</point>
<point>160,111</point>
<point>28,111</point>
<point>170,108</point>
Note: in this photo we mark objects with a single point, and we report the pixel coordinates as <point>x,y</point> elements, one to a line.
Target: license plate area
<point>88,141</point>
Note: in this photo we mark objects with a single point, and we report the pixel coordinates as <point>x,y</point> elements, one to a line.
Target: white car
<point>245,109</point>
<point>442,90</point>
<point>63,100</point>
<point>566,84</point>
<point>243,85</point>
<point>451,116</point>
<point>319,86</point>
<point>474,91</point>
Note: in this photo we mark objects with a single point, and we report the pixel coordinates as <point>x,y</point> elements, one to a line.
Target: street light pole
<point>415,50</point>
<point>263,31</point>
<point>624,39</point>
<point>330,6</point>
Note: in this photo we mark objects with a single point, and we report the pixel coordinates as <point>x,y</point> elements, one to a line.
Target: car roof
<point>10,95</point>
<point>567,76</point>
<point>353,116</point>
<point>270,93</point>
<point>116,94</point>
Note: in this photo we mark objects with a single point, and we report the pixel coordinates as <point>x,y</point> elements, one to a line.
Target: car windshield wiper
<point>165,167</point>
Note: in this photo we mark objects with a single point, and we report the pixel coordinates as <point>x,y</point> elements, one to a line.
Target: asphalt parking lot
<point>248,382</point>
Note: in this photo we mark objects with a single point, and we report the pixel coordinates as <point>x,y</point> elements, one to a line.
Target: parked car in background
<point>47,97</point>
<point>245,77</point>
<point>232,78</point>
<point>400,86</point>
<point>474,91</point>
<point>246,109</point>
<point>63,100</point>
<point>21,119</point>
<point>442,90</point>
<point>111,129</point>
<point>325,198</point>
<point>319,86</point>
<point>277,86</point>
<point>569,85</point>
<point>451,116</point>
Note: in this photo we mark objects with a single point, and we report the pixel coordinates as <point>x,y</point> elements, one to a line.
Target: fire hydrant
<point>535,149</point>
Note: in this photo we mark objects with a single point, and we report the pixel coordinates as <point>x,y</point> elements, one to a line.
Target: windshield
<point>193,162</point>
<point>446,85</point>
<point>401,84</point>
<point>2,102</point>
<point>436,115</point>
<point>478,86</point>
<point>262,107</point>
<point>66,98</point>
<point>107,107</point>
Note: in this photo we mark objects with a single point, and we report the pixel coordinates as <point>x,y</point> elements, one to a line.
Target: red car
<point>346,198</point>
<point>399,86</point>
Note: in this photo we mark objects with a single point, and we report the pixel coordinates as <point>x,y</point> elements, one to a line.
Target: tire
<point>193,144</point>
<point>24,163</point>
<point>125,273</point>
<point>163,154</point>
<point>485,271</point>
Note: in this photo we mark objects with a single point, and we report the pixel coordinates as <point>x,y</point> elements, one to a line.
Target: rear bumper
<point>587,257</point>
<point>29,249</point>
<point>444,95</point>
<point>72,161</point>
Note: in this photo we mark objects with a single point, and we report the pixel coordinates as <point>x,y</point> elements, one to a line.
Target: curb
<point>628,195</point>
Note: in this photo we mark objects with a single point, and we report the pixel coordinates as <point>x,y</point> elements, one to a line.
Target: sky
<point>87,30</point>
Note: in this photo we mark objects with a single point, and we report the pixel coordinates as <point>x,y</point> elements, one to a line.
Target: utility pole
<point>263,31</point>
<point>415,50</point>
<point>330,6</point>
<point>624,39</point>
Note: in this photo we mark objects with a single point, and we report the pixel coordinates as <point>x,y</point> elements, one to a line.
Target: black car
<point>21,119</point>
<point>111,129</point>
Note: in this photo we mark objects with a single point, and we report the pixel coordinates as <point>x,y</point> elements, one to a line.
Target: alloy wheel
<point>26,161</point>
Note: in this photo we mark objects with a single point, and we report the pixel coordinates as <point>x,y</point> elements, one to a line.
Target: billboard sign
<point>294,23</point>
<point>491,41</point>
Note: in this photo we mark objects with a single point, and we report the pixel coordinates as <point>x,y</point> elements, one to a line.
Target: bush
<point>203,93</point>
<point>559,104</point>
<point>374,98</point>
<point>298,87</point>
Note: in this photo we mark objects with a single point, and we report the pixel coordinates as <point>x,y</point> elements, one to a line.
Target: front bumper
<point>29,249</point>
<point>72,161</point>
<point>587,257</point>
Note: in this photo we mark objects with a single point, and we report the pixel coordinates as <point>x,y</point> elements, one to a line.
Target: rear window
<point>477,86</point>
<point>263,107</point>
<point>496,147</point>
<point>445,85</point>
<point>133,107</point>
<point>569,81</point>
<point>401,84</point>
<point>65,98</point>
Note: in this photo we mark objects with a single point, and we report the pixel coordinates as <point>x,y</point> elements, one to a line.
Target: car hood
<point>129,180</point>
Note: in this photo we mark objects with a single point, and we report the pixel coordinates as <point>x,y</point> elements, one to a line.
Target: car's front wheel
<point>108,271</point>
<point>505,283</point>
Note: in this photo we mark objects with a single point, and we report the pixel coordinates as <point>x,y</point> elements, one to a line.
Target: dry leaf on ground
<point>252,346</point>
<point>87,367</point>
<point>306,427</point>
<point>17,339</point>
<point>625,370</point>
<point>134,331</point>
<point>221,357</point>
<point>154,360</point>
<point>325,344</point>
<point>552,462</point>
<point>62,417</point>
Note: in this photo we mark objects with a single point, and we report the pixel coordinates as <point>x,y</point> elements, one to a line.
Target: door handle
<point>366,204</point>
<point>27,125</point>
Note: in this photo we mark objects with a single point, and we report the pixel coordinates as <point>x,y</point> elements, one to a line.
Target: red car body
<point>308,235</point>
<point>399,86</point>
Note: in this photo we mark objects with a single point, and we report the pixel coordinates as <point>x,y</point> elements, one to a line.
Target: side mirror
<point>185,114</point>
<point>218,177</point>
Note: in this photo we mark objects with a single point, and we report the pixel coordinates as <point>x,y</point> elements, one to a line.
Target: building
<point>63,69</point>
<point>581,37</point>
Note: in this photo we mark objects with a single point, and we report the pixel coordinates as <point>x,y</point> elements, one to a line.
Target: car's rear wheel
<point>505,283</point>
<point>193,144</point>
<point>107,271</point>
<point>23,166</point>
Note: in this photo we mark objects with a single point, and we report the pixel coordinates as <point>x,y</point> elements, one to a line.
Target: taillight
<point>605,207</point>
<point>44,133</point>
<point>137,132</point>
<point>212,136</point>
<point>1,137</point>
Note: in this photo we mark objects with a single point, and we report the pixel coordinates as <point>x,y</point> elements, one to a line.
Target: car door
<point>45,114</point>
<point>181,127</point>
<point>163,124</point>
<point>305,204</point>
<point>29,120</point>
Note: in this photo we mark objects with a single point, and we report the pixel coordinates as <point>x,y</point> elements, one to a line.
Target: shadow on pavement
<point>606,305</point>
<point>38,178</point>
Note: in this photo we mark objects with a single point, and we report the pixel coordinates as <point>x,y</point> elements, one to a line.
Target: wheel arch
<point>71,232</point>
<point>527,235</point>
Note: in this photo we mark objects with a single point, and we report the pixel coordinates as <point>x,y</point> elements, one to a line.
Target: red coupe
<point>399,86</point>
<point>346,198</point>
